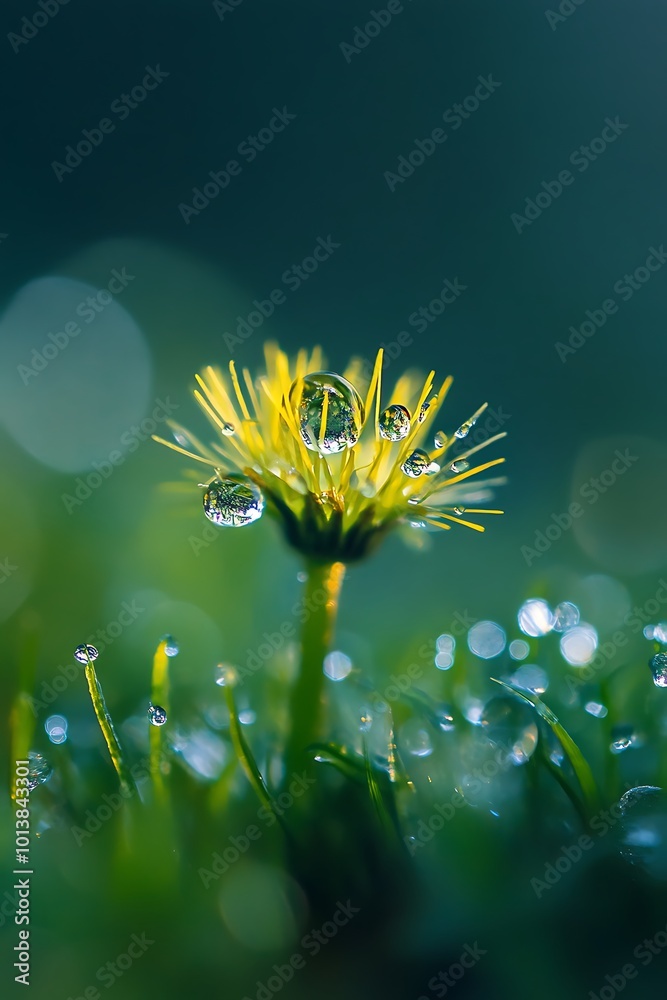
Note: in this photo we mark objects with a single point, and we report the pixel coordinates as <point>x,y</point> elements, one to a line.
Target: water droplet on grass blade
<point>233,503</point>
<point>39,770</point>
<point>510,725</point>
<point>157,715</point>
<point>171,646</point>
<point>225,674</point>
<point>329,411</point>
<point>658,665</point>
<point>394,423</point>
<point>84,653</point>
<point>416,464</point>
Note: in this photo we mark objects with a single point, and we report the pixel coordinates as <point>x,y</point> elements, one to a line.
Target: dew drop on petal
<point>458,467</point>
<point>39,770</point>
<point>228,429</point>
<point>416,464</point>
<point>440,439</point>
<point>157,715</point>
<point>84,653</point>
<point>171,646</point>
<point>566,615</point>
<point>658,665</point>
<point>464,429</point>
<point>233,503</point>
<point>425,407</point>
<point>339,427</point>
<point>535,617</point>
<point>394,423</point>
<point>459,511</point>
<point>510,725</point>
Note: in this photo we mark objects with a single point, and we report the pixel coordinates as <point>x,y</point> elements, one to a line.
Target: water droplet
<point>302,577</point>
<point>416,464</point>
<point>597,709</point>
<point>566,615</point>
<point>365,720</point>
<point>337,666</point>
<point>623,738</point>
<point>157,715</point>
<point>232,502</point>
<point>228,429</point>
<point>56,728</point>
<point>464,429</point>
<point>414,738</point>
<point>225,674</point>
<point>579,644</point>
<point>171,646</point>
<point>660,632</point>
<point>459,511</point>
<point>530,677</point>
<point>510,725</point>
<point>486,639</point>
<point>519,649</point>
<point>643,826</point>
<point>458,467</point>
<point>323,398</point>
<point>394,423</point>
<point>535,617</point>
<point>84,653</point>
<point>432,468</point>
<point>658,665</point>
<point>39,770</point>
<point>425,407</point>
<point>247,716</point>
<point>440,439</point>
<point>444,718</point>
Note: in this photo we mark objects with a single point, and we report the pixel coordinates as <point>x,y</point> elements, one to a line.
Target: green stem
<point>108,731</point>
<point>159,696</point>
<point>320,601</point>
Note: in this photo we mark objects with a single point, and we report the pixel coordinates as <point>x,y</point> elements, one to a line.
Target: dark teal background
<point>324,175</point>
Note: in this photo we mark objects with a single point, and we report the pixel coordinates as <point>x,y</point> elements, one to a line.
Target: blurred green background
<point>70,564</point>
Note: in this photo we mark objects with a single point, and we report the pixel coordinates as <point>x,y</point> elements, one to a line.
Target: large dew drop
<point>233,502</point>
<point>84,653</point>
<point>157,715</point>
<point>329,411</point>
<point>510,726</point>
<point>658,665</point>
<point>644,829</point>
<point>39,770</point>
<point>416,464</point>
<point>394,423</point>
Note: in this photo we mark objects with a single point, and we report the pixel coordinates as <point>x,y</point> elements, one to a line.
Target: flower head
<point>332,461</point>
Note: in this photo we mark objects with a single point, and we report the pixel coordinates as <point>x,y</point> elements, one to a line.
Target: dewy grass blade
<point>107,727</point>
<point>574,755</point>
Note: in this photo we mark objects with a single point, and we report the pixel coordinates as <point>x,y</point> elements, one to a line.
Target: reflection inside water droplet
<point>416,464</point>
<point>157,715</point>
<point>233,503</point>
<point>83,653</point>
<point>658,665</point>
<point>329,411</point>
<point>171,646</point>
<point>394,423</point>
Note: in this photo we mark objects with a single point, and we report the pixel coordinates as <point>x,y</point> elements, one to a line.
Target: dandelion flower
<point>326,456</point>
